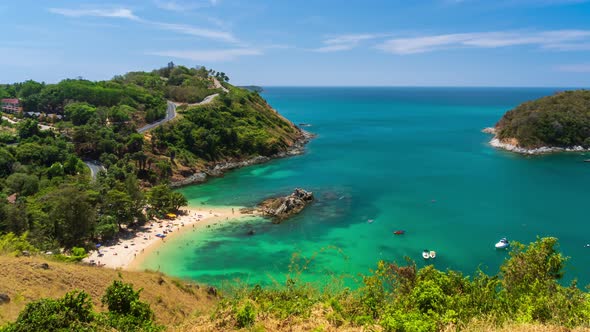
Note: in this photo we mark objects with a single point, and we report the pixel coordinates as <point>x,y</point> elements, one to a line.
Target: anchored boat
<point>502,244</point>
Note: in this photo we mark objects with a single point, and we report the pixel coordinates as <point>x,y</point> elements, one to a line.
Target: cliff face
<point>558,121</point>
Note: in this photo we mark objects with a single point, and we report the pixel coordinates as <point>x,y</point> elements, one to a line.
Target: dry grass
<point>181,306</point>
<point>24,281</point>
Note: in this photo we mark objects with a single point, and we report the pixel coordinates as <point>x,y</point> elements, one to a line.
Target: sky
<point>303,43</point>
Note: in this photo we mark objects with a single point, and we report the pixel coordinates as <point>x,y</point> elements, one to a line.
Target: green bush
<point>246,315</point>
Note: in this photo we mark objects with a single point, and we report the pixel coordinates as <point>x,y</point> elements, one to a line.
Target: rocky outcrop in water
<point>281,208</point>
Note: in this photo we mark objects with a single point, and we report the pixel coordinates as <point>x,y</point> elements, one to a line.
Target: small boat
<point>432,254</point>
<point>587,160</point>
<point>399,232</point>
<point>426,254</point>
<point>370,221</point>
<point>502,244</point>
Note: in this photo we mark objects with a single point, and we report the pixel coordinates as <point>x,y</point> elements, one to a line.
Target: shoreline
<point>130,251</point>
<point>218,169</point>
<point>495,142</point>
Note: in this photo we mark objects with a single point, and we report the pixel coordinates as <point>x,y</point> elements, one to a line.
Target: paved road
<point>170,114</point>
<point>95,167</point>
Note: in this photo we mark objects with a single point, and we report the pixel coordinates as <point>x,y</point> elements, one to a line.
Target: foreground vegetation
<point>561,120</point>
<point>526,295</point>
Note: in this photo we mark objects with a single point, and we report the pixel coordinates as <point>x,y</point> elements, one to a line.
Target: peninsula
<point>560,122</point>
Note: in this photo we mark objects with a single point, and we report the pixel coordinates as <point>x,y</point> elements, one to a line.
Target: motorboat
<point>502,244</point>
<point>370,221</point>
<point>426,254</point>
<point>432,254</point>
<point>399,232</point>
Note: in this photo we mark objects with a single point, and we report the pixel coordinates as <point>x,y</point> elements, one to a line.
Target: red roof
<point>10,100</point>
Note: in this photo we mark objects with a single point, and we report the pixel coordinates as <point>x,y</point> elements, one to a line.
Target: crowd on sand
<point>126,251</point>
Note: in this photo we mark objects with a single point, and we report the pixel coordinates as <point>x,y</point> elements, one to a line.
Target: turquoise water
<point>409,158</point>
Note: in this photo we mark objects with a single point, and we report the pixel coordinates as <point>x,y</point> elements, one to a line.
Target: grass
<point>24,281</point>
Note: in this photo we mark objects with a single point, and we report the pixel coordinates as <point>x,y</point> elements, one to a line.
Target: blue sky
<point>309,43</point>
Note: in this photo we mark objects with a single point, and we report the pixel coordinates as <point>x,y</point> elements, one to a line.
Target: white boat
<point>502,244</point>
<point>432,254</point>
<point>426,254</point>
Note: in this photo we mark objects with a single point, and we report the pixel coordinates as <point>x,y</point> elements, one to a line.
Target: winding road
<point>170,114</point>
<point>95,167</point>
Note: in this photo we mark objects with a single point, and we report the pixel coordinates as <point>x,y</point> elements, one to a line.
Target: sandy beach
<point>130,250</point>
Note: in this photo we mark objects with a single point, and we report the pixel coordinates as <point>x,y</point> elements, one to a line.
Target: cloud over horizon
<point>558,40</point>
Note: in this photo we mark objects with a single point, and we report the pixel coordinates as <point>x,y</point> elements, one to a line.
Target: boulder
<point>281,208</point>
<point>4,298</point>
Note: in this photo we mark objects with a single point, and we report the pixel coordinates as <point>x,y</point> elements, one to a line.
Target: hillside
<point>561,121</point>
<point>67,129</point>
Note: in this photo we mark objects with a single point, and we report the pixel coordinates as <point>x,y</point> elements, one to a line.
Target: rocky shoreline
<point>220,168</point>
<point>495,142</point>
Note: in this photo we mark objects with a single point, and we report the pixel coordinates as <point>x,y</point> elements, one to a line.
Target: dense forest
<point>525,295</point>
<point>561,120</point>
<point>46,190</point>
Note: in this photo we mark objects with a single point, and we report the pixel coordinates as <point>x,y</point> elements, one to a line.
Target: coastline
<point>218,169</point>
<point>129,252</point>
<point>497,143</point>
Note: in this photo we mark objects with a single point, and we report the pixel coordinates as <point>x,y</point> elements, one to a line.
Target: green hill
<point>45,187</point>
<point>561,120</point>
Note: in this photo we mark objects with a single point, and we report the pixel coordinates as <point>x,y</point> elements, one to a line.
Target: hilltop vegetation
<point>45,188</point>
<point>561,120</point>
<point>525,295</point>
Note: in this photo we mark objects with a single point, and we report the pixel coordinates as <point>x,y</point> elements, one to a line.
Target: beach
<point>132,248</point>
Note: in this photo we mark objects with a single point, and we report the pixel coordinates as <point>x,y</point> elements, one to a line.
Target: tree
<point>119,205</point>
<point>28,128</point>
<point>71,215</point>
<point>6,162</point>
<point>164,200</point>
<point>79,113</point>
<point>539,262</point>
<point>23,184</point>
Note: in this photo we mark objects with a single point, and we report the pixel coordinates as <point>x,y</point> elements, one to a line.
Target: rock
<point>251,232</point>
<point>26,253</point>
<point>43,266</point>
<point>212,291</point>
<point>4,298</point>
<point>282,208</point>
<point>489,130</point>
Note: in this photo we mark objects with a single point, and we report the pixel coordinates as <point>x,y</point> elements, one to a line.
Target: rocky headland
<point>557,123</point>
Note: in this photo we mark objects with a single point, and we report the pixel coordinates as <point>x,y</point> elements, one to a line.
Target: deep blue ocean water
<point>408,158</point>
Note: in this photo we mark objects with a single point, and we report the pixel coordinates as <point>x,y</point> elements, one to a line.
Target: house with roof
<point>11,105</point>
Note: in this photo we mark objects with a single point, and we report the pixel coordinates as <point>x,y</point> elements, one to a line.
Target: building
<point>11,105</point>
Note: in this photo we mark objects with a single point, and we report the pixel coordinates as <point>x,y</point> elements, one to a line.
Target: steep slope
<point>25,279</point>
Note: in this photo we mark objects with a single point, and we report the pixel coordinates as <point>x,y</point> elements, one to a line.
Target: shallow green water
<point>409,158</point>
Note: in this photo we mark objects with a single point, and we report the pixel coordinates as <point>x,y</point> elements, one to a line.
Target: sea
<point>387,159</point>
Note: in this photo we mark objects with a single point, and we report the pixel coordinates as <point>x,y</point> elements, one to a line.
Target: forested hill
<point>46,190</point>
<point>561,120</point>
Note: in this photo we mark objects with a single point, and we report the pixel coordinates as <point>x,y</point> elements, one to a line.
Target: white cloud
<point>561,40</point>
<point>181,6</point>
<point>577,68</point>
<point>114,12</point>
<point>198,32</point>
<point>210,55</point>
<point>222,36</point>
<point>345,42</point>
